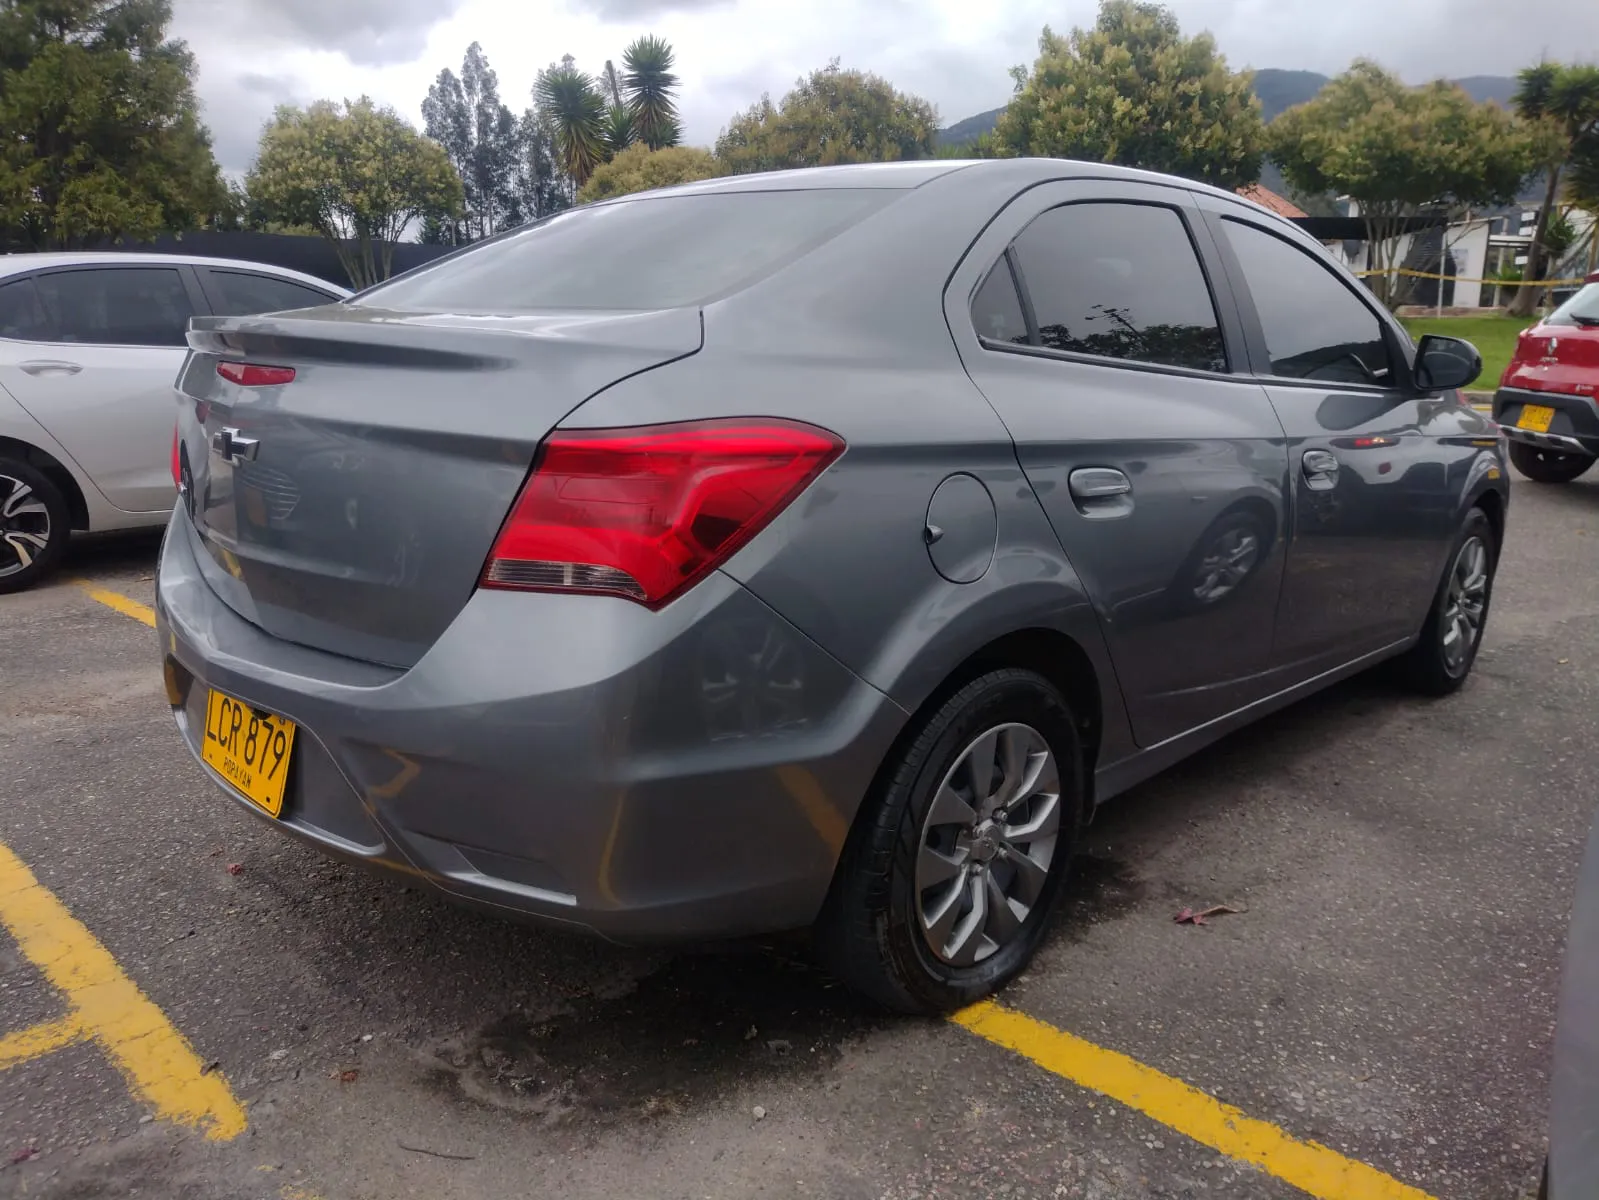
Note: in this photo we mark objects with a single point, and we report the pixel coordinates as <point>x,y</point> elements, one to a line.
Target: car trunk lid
<point>351,509</point>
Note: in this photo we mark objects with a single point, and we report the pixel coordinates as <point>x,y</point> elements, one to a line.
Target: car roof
<point>913,174</point>
<point>11,264</point>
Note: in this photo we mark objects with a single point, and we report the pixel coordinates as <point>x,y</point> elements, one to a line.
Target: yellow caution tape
<point>1406,271</point>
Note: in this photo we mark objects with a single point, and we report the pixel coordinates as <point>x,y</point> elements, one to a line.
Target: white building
<point>1478,247</point>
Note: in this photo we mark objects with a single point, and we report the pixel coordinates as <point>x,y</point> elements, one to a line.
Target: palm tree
<point>575,110</point>
<point>650,87</point>
<point>620,131</point>
<point>1582,191</point>
<point>1564,100</point>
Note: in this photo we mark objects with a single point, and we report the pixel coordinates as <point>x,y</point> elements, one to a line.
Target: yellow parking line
<point>40,1039</point>
<point>158,1063</point>
<point>1309,1166</point>
<point>121,603</point>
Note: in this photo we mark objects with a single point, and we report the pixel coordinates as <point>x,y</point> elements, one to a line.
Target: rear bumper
<point>1574,429</point>
<point>684,774</point>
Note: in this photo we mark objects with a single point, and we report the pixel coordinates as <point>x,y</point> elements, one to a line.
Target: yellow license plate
<point>1535,417</point>
<point>248,748</point>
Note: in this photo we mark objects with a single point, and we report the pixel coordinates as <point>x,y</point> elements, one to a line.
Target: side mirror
<point>1445,363</point>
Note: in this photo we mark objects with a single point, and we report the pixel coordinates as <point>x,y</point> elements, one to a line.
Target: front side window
<point>1315,327</point>
<point>117,306</point>
<point>1119,280</point>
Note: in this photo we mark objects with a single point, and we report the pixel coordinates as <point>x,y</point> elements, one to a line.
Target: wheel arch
<point>1492,503</point>
<point>54,470</point>
<point>1052,653</point>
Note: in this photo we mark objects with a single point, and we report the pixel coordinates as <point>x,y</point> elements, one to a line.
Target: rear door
<point>1159,464</point>
<point>97,372</point>
<point>1372,498</point>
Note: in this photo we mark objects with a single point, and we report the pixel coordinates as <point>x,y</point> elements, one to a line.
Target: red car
<point>1548,399</point>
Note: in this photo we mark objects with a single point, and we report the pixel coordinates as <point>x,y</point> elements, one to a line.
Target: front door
<point>1372,506</point>
<point>1159,466</point>
<point>97,372</point>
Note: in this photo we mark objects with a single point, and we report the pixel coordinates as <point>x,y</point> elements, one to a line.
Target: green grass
<point>1494,337</point>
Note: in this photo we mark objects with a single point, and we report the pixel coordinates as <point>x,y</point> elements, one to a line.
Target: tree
<point>1582,191</point>
<point>100,135</point>
<point>832,116</point>
<point>1563,101</point>
<point>1400,152</point>
<point>619,130</point>
<point>538,185</point>
<point>638,168</point>
<point>574,110</point>
<point>483,140</point>
<point>651,92</point>
<point>1132,90</point>
<point>360,176</point>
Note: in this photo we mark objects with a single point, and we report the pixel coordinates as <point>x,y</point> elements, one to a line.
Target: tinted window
<point>656,253</point>
<point>997,310</point>
<point>21,314</point>
<point>240,294</point>
<point>118,306</point>
<point>1315,327</point>
<point>1120,281</point>
<point>1581,309</point>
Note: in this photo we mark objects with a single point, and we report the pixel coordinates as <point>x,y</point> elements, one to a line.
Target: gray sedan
<point>813,549</point>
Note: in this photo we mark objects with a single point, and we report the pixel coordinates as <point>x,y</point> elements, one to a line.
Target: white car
<point>90,346</point>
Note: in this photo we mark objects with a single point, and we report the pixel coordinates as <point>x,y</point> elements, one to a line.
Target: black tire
<point>869,933</point>
<point>1548,466</point>
<point>23,489</point>
<point>1427,667</point>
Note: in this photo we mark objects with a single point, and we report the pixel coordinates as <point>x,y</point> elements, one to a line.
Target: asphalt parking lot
<point>1380,1013</point>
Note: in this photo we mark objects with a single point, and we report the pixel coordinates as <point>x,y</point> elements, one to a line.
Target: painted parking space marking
<point>41,1039</point>
<point>1308,1166</point>
<point>159,1065</point>
<point>125,605</point>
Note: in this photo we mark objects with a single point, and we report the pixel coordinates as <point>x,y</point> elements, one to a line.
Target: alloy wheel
<point>24,525</point>
<point>1465,602</point>
<point>987,844</point>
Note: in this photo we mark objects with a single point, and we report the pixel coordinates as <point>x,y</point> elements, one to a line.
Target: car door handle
<point>1101,492</point>
<point>49,366</point>
<point>1321,470</point>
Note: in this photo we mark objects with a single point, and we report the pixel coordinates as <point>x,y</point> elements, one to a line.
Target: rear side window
<point>996,309</point>
<point>22,314</point>
<point>117,306</point>
<point>1123,281</point>
<point>1581,309</point>
<point>1315,327</point>
<point>242,294</point>
<point>661,252</point>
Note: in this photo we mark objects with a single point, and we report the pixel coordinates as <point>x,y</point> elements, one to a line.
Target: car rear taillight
<point>646,512</point>
<point>254,374</point>
<point>177,460</point>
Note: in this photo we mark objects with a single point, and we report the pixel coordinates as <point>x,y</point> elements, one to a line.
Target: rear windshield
<point>657,252</point>
<point>1581,309</point>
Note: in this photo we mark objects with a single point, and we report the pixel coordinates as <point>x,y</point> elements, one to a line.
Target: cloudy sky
<point>254,54</point>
